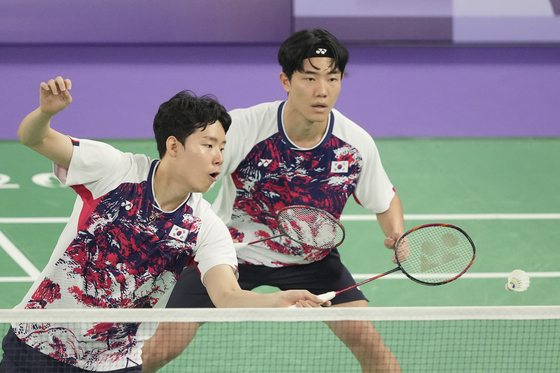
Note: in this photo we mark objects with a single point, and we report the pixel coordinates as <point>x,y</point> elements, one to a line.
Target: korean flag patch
<point>179,233</point>
<point>339,167</point>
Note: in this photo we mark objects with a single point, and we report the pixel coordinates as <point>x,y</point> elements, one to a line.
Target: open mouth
<point>214,175</point>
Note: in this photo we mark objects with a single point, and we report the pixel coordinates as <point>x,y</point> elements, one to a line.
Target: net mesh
<point>424,339</point>
<point>310,226</point>
<point>435,254</point>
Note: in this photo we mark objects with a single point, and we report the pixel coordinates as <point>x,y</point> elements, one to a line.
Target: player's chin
<point>203,188</point>
<point>318,118</point>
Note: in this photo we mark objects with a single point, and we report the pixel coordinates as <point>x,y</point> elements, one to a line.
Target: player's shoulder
<point>103,148</point>
<point>97,154</point>
<point>269,109</point>
<point>200,206</point>
<point>254,123</point>
<point>197,202</point>
<point>349,131</point>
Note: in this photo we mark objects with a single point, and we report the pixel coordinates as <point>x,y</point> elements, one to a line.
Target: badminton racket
<point>307,226</point>
<point>431,254</point>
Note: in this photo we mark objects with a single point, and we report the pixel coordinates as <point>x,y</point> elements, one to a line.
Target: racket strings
<point>435,254</point>
<point>312,227</point>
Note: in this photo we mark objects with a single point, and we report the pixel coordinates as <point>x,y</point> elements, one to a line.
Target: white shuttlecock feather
<point>518,280</point>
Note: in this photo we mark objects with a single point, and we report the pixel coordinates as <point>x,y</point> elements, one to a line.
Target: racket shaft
<point>266,239</point>
<point>241,245</point>
<point>368,280</point>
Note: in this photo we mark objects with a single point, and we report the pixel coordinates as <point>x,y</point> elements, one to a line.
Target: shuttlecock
<point>518,280</point>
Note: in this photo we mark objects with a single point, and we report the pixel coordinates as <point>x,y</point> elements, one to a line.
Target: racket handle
<point>324,297</point>
<point>327,296</point>
<point>240,245</point>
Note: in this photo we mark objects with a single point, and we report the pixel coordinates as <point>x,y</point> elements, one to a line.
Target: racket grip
<point>240,245</point>
<point>327,296</point>
<point>324,297</point>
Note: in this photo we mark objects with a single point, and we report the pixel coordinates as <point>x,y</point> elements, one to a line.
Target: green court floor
<point>515,179</point>
<point>503,192</point>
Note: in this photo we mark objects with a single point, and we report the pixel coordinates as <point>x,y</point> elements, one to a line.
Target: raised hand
<point>54,95</point>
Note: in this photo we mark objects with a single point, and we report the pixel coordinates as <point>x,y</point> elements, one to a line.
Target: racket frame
<point>399,266</point>
<point>316,209</point>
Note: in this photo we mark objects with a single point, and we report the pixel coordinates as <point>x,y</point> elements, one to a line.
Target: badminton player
<point>136,223</point>
<point>300,151</point>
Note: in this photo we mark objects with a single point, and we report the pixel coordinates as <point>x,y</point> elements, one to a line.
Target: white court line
<point>427,217</point>
<point>432,217</point>
<point>474,275</point>
<point>16,279</point>
<point>33,220</point>
<point>18,257</point>
<point>444,217</point>
<point>392,276</point>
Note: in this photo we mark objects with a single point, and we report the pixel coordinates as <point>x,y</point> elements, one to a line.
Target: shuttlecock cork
<point>518,280</point>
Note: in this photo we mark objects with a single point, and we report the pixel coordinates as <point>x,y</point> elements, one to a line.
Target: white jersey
<point>119,250</point>
<point>264,171</point>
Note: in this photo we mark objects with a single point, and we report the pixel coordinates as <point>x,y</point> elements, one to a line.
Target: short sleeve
<point>215,245</point>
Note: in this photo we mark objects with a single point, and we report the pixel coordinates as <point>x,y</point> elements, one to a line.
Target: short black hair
<point>300,46</point>
<point>185,113</point>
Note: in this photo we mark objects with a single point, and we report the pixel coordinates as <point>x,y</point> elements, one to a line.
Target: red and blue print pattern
<point>276,174</point>
<point>120,258</point>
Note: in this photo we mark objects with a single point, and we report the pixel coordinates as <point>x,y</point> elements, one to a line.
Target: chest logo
<point>178,233</point>
<point>264,162</point>
<point>339,167</point>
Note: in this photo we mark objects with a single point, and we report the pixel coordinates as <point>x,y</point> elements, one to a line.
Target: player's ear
<point>172,145</point>
<point>285,82</point>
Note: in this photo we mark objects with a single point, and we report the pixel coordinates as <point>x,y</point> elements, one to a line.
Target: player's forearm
<point>36,133</point>
<point>225,292</point>
<point>392,221</point>
<point>34,128</point>
<point>245,298</point>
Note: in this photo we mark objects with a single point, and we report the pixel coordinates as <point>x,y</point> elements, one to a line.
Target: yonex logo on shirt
<point>339,167</point>
<point>264,162</point>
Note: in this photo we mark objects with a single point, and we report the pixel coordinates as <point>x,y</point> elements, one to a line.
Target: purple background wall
<point>391,91</point>
<point>127,57</point>
<point>144,21</point>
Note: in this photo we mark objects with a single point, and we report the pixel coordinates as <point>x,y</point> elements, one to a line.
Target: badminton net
<point>424,339</point>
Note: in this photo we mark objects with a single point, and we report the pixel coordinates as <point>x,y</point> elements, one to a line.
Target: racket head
<point>311,226</point>
<point>435,254</point>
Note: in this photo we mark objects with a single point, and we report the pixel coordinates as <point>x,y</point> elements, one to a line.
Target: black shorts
<point>319,277</point>
<point>21,358</point>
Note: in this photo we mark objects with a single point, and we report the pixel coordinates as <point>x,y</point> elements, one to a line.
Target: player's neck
<point>302,132</point>
<point>168,194</point>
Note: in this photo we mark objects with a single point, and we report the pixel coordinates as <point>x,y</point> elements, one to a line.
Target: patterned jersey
<point>264,172</point>
<point>119,250</point>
